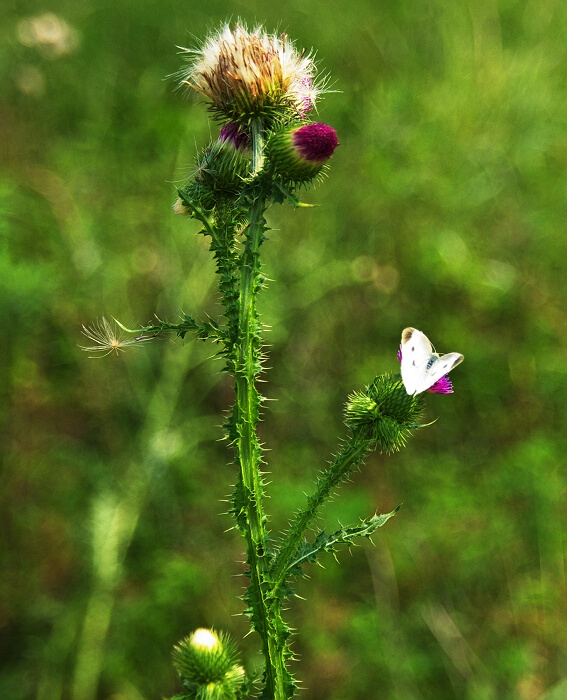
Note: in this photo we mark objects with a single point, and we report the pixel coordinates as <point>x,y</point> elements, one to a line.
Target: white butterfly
<point>421,366</point>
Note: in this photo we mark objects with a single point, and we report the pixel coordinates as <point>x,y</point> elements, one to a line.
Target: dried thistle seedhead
<point>247,73</point>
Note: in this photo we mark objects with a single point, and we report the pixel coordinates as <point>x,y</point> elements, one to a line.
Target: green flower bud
<point>224,165</point>
<point>208,666</point>
<point>386,411</point>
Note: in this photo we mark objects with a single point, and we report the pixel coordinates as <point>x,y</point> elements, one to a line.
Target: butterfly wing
<point>421,367</point>
<point>439,367</point>
<point>416,353</point>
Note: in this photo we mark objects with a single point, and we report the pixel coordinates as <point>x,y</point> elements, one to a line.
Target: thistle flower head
<point>204,639</point>
<point>442,386</point>
<point>385,411</point>
<point>314,143</point>
<point>246,73</point>
<point>221,168</point>
<point>298,153</point>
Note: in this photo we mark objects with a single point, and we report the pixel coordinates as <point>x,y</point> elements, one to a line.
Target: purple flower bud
<point>298,153</point>
<point>233,134</point>
<point>315,142</point>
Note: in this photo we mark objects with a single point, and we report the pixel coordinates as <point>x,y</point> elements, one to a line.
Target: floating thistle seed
<point>108,338</point>
<point>298,153</point>
<point>246,73</point>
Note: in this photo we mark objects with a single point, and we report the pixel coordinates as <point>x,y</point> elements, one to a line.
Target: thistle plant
<point>261,93</point>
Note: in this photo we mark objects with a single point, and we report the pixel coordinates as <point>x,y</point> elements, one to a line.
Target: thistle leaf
<point>309,552</point>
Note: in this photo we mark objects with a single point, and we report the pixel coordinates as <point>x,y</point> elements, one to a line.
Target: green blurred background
<point>445,209</point>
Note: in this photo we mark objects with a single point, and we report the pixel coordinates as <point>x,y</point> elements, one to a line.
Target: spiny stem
<point>246,416</point>
<point>351,455</point>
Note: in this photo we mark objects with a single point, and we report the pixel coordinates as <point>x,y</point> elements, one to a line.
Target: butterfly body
<point>421,366</point>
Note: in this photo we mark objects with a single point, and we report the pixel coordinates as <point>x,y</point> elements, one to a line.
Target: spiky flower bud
<point>298,153</point>
<point>207,663</point>
<point>233,134</point>
<point>249,73</point>
<point>386,412</point>
<point>225,163</point>
<point>221,169</point>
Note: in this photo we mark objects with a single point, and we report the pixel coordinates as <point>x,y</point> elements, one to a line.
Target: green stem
<point>246,415</point>
<point>348,458</point>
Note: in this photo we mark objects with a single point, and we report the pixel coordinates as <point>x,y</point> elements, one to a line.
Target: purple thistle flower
<point>315,142</point>
<point>299,153</point>
<point>441,386</point>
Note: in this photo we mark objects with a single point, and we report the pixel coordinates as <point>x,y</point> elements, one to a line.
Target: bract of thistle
<point>249,73</point>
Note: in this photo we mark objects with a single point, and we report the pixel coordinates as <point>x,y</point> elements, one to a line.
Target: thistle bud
<point>224,164</point>
<point>234,135</point>
<point>385,411</point>
<point>298,153</point>
<point>208,666</point>
<point>221,169</point>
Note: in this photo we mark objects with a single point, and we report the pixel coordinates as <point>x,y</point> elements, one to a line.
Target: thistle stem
<point>246,415</point>
<point>348,458</point>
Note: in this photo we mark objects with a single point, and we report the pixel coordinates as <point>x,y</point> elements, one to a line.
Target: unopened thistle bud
<point>299,153</point>
<point>208,666</point>
<point>225,163</point>
<point>235,135</point>
<point>221,170</point>
<point>246,73</point>
<point>385,411</point>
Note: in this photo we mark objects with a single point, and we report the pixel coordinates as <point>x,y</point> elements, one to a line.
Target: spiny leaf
<point>310,551</point>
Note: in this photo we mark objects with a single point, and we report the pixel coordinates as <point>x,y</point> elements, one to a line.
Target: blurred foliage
<point>445,209</point>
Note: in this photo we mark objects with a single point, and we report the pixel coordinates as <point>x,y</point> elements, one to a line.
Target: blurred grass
<point>445,209</point>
